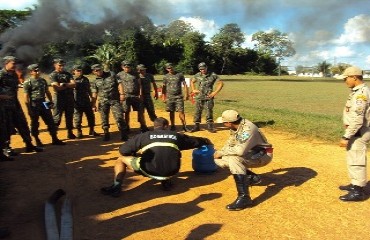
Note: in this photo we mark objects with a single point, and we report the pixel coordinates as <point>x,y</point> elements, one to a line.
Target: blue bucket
<point>203,161</point>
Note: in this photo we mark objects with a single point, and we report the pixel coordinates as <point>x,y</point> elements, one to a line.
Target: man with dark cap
<point>15,117</point>
<point>160,155</point>
<point>133,94</point>
<point>82,94</point>
<point>147,80</point>
<point>174,96</point>
<point>246,147</point>
<point>110,92</point>
<point>202,87</point>
<point>63,84</point>
<point>35,89</point>
<point>356,121</point>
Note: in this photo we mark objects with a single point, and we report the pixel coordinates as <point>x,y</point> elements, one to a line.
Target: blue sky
<point>322,30</point>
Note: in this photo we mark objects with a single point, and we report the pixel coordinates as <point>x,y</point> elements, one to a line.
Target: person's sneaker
<point>254,179</point>
<point>32,148</point>
<point>166,185</point>
<point>173,128</point>
<point>113,190</point>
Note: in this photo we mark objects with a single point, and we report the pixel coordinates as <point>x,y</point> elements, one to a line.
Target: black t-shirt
<point>161,160</point>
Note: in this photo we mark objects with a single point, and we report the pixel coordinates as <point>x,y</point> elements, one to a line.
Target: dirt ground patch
<point>297,199</point>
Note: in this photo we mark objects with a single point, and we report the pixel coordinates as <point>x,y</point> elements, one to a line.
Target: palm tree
<point>107,54</point>
<point>324,67</point>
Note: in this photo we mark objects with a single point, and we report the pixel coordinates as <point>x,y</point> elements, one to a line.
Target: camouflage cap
<point>168,65</point>
<point>77,67</point>
<point>33,67</point>
<point>141,67</point>
<point>96,67</point>
<point>59,61</point>
<point>8,59</point>
<point>202,65</point>
<point>126,63</point>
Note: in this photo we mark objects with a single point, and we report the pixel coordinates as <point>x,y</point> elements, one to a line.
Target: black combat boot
<point>124,135</point>
<point>4,158</point>
<point>196,128</point>
<point>106,135</point>
<point>253,178</point>
<point>56,141</point>
<point>348,187</point>
<point>92,133</point>
<point>70,134</point>
<point>243,200</point>
<point>79,133</point>
<point>355,195</point>
<point>144,128</point>
<point>31,148</point>
<point>185,128</point>
<point>38,141</point>
<point>211,128</point>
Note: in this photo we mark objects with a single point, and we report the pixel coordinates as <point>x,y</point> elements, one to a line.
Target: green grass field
<point>310,107</point>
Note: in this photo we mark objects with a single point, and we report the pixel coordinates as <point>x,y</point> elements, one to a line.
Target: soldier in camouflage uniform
<point>147,80</point>
<point>15,117</point>
<point>133,94</point>
<point>63,84</point>
<point>111,95</point>
<point>173,95</point>
<point>35,89</point>
<point>82,93</point>
<point>202,87</point>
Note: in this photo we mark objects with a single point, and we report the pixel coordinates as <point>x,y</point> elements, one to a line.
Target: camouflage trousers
<point>149,106</point>
<point>4,133</point>
<point>37,110</point>
<point>15,118</point>
<point>208,104</point>
<point>78,113</point>
<point>65,106</point>
<point>117,111</point>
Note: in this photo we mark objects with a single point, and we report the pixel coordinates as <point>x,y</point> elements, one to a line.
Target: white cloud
<point>343,51</point>
<point>368,60</point>
<point>356,30</point>
<point>207,27</point>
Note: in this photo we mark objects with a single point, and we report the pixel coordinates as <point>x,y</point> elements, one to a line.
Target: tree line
<point>139,40</point>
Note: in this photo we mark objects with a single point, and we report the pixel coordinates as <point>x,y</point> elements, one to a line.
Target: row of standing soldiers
<point>75,96</point>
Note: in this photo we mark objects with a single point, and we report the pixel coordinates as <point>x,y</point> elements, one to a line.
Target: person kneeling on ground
<point>159,155</point>
<point>246,147</point>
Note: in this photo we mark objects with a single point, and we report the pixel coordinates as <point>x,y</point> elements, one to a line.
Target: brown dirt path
<point>297,199</point>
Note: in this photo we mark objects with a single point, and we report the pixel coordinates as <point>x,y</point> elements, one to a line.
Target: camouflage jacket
<point>35,88</point>
<point>106,87</point>
<point>146,84</point>
<point>173,84</point>
<point>204,84</point>
<point>62,77</point>
<point>130,84</point>
<point>9,87</point>
<point>82,92</point>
